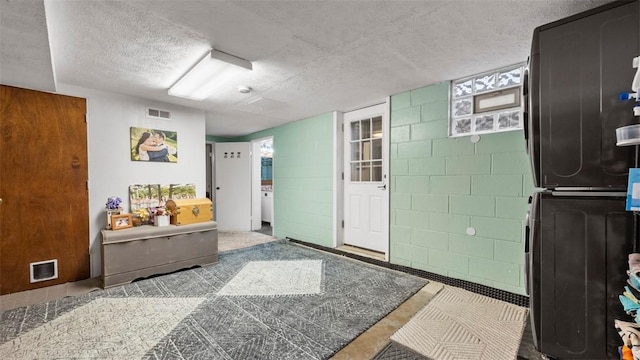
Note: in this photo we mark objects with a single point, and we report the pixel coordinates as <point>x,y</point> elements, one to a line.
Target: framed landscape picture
<point>145,196</point>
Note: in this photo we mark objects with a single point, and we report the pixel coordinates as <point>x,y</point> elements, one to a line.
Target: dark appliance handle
<point>533,285</point>
<point>527,254</point>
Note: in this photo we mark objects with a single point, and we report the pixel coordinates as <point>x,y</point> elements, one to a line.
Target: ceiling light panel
<point>214,68</point>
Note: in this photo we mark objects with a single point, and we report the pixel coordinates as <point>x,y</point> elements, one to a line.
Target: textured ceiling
<point>309,57</point>
<point>25,56</point>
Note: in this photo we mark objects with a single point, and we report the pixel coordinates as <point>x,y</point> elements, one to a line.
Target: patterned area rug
<point>459,324</point>
<point>272,301</point>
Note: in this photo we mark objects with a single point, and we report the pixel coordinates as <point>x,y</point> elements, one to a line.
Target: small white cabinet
<point>267,205</point>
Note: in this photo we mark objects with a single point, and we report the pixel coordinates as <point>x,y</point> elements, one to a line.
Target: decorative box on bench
<point>146,250</point>
<point>191,211</point>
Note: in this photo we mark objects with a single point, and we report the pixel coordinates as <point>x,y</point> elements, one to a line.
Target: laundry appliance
<point>578,233</point>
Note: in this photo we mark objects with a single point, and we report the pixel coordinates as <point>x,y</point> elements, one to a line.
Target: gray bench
<point>142,251</point>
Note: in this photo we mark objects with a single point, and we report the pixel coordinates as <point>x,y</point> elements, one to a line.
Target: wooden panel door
<point>43,174</point>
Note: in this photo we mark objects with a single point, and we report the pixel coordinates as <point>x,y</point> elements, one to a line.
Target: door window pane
<point>366,128</point>
<point>365,175</point>
<point>376,171</point>
<point>355,151</point>
<point>366,150</point>
<point>355,130</point>
<point>377,149</point>
<point>377,127</point>
<point>355,172</point>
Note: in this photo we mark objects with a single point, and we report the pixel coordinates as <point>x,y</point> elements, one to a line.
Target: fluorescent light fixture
<point>200,81</point>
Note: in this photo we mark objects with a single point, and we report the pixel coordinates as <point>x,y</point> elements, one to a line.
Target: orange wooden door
<point>43,187</point>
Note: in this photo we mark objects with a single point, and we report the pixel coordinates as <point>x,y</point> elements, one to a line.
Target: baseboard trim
<point>494,293</point>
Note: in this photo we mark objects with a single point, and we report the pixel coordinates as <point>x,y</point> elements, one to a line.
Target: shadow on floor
<point>266,229</point>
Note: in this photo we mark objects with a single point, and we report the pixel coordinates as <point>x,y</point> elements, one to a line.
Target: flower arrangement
<point>113,203</point>
<point>164,211</point>
<point>143,214</point>
<point>161,216</point>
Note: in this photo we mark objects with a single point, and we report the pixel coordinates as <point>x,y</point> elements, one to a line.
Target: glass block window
<point>487,102</point>
<point>366,150</point>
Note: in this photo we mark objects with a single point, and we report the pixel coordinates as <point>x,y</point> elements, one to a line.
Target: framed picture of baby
<point>154,145</point>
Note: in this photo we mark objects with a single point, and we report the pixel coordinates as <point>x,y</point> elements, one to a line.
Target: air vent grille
<point>43,270</point>
<point>158,114</point>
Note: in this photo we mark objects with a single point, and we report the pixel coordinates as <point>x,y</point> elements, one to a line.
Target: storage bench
<point>142,251</point>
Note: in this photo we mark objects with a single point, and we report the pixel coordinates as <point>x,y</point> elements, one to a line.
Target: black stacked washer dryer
<point>578,232</point>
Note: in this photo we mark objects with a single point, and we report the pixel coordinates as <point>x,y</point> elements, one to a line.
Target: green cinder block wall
<point>441,186</point>
<point>302,178</point>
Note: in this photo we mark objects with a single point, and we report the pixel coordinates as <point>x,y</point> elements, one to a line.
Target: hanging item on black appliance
<point>630,134</point>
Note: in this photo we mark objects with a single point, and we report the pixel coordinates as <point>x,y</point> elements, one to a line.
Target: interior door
<point>366,200</point>
<point>233,186</point>
<point>44,211</point>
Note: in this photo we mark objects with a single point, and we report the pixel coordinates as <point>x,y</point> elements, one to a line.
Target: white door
<point>366,194</point>
<point>233,186</point>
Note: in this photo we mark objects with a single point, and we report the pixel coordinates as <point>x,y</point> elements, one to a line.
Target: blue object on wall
<point>266,168</point>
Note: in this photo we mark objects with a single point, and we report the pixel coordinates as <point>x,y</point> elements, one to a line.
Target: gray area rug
<point>271,301</point>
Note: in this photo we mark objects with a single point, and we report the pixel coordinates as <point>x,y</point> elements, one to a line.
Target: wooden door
<point>43,187</point>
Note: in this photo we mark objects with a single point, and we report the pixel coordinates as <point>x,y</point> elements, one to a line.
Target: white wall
<point>111,170</point>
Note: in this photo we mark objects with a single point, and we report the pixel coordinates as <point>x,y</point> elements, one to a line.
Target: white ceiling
<point>309,57</point>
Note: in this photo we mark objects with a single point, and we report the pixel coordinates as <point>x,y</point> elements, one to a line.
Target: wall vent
<point>43,270</point>
<point>158,114</point>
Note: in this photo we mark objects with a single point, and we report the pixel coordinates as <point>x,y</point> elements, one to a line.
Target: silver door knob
<point>383,186</point>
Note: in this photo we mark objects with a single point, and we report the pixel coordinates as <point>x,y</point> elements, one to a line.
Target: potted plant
<point>113,208</point>
<point>161,218</point>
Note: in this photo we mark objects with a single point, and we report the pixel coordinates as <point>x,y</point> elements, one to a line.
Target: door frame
<point>256,185</point>
<point>338,178</point>
<point>211,158</point>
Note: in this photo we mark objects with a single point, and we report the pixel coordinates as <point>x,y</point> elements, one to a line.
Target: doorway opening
<point>262,186</point>
<point>209,158</point>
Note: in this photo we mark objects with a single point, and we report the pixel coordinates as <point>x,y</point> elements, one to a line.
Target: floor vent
<point>43,270</point>
<point>158,114</point>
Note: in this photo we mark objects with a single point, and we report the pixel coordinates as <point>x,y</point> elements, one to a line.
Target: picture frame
<point>122,221</point>
<point>153,145</point>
